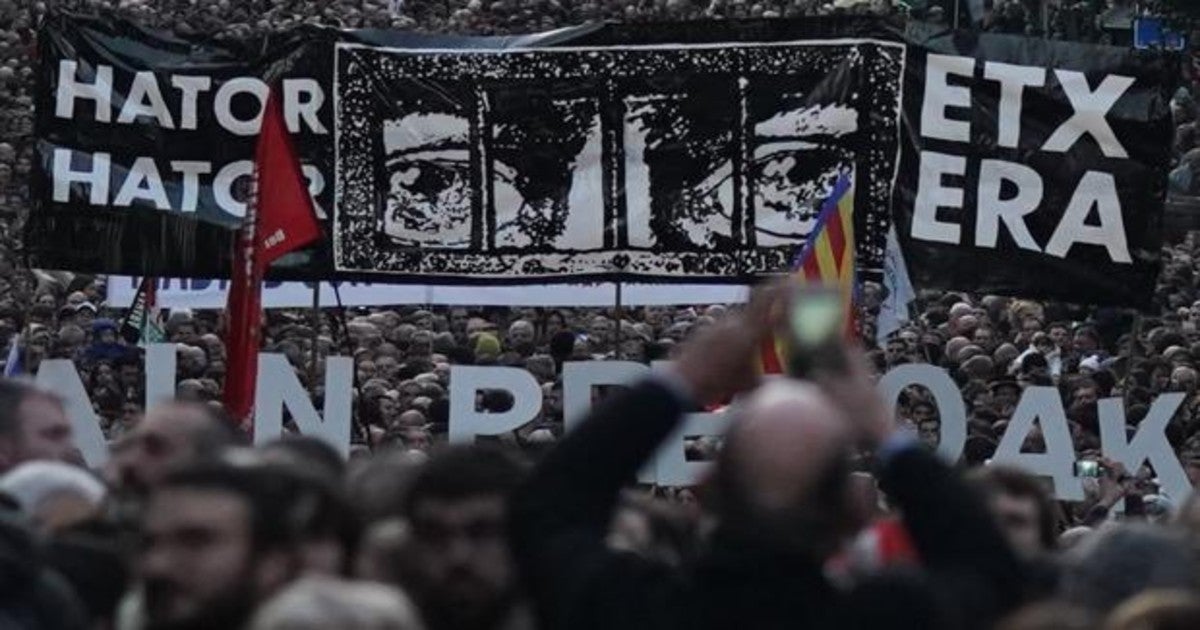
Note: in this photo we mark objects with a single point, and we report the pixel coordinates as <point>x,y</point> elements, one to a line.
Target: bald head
<point>783,466</point>
<point>788,432</point>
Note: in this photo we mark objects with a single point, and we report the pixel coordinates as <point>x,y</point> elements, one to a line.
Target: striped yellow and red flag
<point>826,259</point>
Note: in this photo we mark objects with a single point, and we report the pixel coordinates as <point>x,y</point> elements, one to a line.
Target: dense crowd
<point>186,527</point>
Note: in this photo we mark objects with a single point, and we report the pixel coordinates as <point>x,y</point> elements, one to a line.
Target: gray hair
<point>322,603</point>
<point>1116,563</point>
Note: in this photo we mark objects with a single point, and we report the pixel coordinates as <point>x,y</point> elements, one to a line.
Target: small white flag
<point>893,313</point>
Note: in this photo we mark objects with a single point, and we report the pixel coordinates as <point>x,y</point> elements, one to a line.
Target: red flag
<point>286,220</point>
<point>279,219</point>
<point>242,328</point>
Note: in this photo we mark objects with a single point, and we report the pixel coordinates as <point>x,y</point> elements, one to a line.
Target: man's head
<point>192,361</point>
<point>33,426</point>
<point>1060,334</point>
<point>170,435</point>
<point>458,320</point>
<point>130,375</point>
<point>896,351</point>
<point>1085,341</point>
<point>219,540</point>
<point>601,331</point>
<point>521,337</point>
<point>411,418</point>
<point>798,503</point>
<point>1119,562</point>
<point>1021,506</point>
<point>1086,392</point>
<point>463,576</point>
<point>183,331</point>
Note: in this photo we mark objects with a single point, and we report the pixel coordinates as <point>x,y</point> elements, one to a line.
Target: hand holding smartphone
<point>815,321</point>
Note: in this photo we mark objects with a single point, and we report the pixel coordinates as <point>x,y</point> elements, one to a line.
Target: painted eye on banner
<point>428,181</point>
<point>792,180</point>
<point>429,201</point>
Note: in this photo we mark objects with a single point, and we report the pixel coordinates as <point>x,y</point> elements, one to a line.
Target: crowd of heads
<point>186,526</point>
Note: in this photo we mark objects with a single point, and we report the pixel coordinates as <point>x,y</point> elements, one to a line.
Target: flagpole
<point>1131,352</point>
<point>620,314</point>
<point>316,333</point>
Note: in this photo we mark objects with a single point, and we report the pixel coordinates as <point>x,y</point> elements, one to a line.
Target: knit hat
<point>487,344</point>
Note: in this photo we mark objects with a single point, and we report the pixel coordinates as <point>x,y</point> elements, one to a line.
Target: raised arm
<point>959,542</point>
<point>560,519</point>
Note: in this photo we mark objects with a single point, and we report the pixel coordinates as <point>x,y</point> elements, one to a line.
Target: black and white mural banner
<point>693,152</point>
<point>706,161</point>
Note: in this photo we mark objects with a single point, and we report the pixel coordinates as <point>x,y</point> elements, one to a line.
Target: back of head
<point>1157,610</point>
<point>309,452</point>
<point>562,344</point>
<point>463,472</point>
<point>769,494</point>
<point>377,489</point>
<point>1118,563</point>
<point>323,603</point>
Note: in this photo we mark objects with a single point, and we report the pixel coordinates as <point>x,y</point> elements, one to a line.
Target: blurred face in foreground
<point>43,433</point>
<point>1018,519</point>
<point>464,575</point>
<point>163,439</point>
<point>198,564</point>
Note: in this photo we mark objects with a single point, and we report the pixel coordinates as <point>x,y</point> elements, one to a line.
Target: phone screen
<point>815,324</point>
<point>816,317</point>
<point>1088,469</point>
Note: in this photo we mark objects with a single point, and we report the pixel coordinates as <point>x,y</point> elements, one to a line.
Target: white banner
<point>176,293</point>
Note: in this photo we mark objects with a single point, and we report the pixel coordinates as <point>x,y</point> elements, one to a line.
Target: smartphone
<point>815,324</point>
<point>1090,469</point>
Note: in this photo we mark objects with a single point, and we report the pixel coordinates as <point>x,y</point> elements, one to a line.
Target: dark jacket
<point>32,597</point>
<point>560,519</point>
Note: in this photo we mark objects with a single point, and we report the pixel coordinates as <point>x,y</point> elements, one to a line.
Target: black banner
<point>668,152</point>
<point>1035,168</point>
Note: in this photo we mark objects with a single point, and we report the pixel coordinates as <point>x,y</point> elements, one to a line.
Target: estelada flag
<point>826,259</point>
<point>279,219</point>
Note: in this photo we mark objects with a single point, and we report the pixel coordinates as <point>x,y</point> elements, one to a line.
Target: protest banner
<point>1035,168</point>
<point>672,153</point>
<point>210,293</point>
<point>279,389</point>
